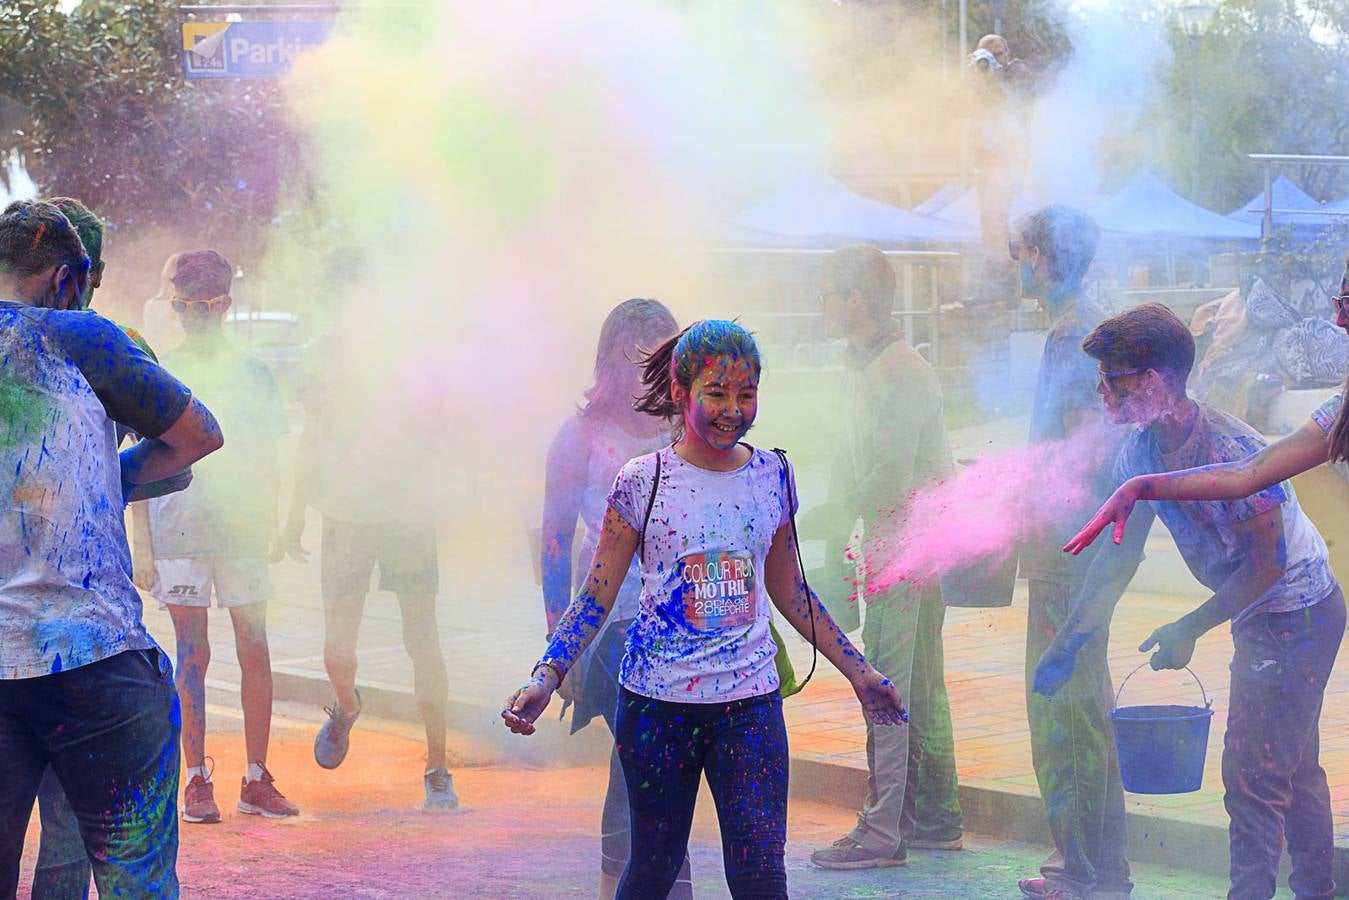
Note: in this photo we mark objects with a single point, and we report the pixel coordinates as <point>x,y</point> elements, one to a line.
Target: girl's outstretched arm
<point>1294,454</point>
<point>787,588</point>
<point>578,625</point>
<point>564,485</point>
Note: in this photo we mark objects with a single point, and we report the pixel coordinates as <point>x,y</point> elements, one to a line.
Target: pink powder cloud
<point>982,514</point>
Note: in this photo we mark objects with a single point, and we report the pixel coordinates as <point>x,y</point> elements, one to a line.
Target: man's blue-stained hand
<point>1055,668</point>
<point>1175,646</point>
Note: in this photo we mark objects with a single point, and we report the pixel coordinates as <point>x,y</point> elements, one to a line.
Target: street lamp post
<point>1194,21</point>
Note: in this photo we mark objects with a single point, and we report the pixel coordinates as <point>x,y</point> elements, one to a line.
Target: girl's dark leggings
<point>742,747</point>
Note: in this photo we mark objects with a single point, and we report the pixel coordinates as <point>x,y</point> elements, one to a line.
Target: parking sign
<point>247,49</point>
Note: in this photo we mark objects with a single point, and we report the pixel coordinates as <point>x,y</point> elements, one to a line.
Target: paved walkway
<point>527,832</point>
<point>491,627</point>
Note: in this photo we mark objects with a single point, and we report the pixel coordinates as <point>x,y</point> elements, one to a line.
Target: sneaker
<point>931,844</point>
<point>333,739</point>
<point>1042,890</point>
<point>199,802</point>
<point>261,798</point>
<point>846,853</point>
<point>440,795</point>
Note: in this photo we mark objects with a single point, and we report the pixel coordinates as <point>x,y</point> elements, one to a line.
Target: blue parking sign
<point>247,49</point>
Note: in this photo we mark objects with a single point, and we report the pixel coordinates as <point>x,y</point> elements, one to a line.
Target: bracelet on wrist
<point>558,672</point>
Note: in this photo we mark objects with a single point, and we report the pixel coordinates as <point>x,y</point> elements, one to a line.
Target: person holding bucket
<point>894,441</point>
<point>710,520</point>
<point>1324,437</point>
<point>1271,577</point>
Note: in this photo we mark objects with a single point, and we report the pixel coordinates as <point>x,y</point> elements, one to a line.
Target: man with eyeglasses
<point>893,442</point>
<point>83,686</point>
<point>1270,574</point>
<point>1072,748</point>
<point>213,538</point>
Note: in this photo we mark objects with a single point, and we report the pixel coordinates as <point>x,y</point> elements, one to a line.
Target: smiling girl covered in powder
<point>710,521</point>
<point>590,448</point>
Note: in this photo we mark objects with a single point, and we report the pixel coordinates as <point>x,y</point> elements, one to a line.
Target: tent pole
<point>1267,220</point>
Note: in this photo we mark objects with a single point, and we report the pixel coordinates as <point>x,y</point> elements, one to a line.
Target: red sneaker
<point>1041,890</point>
<point>261,798</point>
<point>199,802</point>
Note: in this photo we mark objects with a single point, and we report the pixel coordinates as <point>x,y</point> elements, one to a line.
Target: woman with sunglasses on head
<point>1324,437</point>
<point>709,519</point>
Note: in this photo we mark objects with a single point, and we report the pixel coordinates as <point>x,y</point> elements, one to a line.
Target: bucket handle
<point>1208,704</point>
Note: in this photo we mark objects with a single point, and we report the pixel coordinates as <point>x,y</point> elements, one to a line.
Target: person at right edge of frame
<point>1072,747</point>
<point>895,442</point>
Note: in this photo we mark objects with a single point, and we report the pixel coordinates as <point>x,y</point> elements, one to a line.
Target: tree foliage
<point>1264,84</point>
<point>99,109</point>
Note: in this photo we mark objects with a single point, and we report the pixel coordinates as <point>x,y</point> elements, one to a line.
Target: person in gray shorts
<point>370,519</point>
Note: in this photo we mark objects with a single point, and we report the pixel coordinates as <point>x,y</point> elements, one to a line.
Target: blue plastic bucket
<point>1161,748</point>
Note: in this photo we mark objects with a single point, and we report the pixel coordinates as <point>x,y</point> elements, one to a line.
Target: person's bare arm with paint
<point>1300,451</point>
<point>1263,556</point>
<point>782,577</point>
<point>880,701</point>
<point>1323,437</point>
<point>578,625</point>
<point>564,483</point>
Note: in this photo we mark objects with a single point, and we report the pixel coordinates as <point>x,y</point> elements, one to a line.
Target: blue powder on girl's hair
<point>711,338</point>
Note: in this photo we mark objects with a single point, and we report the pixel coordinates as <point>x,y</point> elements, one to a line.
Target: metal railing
<point>812,347</point>
<point>1270,160</point>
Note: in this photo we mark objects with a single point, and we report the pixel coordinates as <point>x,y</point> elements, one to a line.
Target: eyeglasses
<point>1106,379</point>
<point>200,307</point>
<point>823,297</point>
<point>1340,302</point>
<point>1015,249</point>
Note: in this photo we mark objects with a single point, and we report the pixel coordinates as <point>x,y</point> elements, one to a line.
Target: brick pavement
<point>491,632</point>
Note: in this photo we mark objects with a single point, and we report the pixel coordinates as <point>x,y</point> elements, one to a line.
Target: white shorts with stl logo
<point>237,581</point>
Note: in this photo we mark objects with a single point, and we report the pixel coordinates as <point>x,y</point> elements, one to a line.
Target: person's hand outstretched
<point>881,703</point>
<point>1115,510</point>
<point>523,708</point>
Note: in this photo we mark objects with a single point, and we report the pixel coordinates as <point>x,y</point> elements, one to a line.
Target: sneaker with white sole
<point>199,802</point>
<point>261,798</point>
<point>846,853</point>
<point>334,738</point>
<point>440,795</point>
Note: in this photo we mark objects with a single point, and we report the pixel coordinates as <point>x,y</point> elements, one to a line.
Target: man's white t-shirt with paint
<point>701,633</point>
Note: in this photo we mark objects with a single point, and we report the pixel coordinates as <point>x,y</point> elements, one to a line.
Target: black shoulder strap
<point>650,504</point>
<point>801,565</point>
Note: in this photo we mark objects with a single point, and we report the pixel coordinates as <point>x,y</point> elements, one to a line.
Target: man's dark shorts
<point>404,551</point>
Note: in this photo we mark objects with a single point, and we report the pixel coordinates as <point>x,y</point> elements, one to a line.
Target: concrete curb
<point>990,808</point>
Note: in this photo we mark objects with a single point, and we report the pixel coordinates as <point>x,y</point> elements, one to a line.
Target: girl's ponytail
<point>658,375</point>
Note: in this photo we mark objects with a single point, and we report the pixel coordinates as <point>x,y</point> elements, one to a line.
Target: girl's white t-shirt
<point>701,632</point>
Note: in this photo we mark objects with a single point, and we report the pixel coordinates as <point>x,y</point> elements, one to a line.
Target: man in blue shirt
<point>1071,745</point>
<point>83,686</point>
